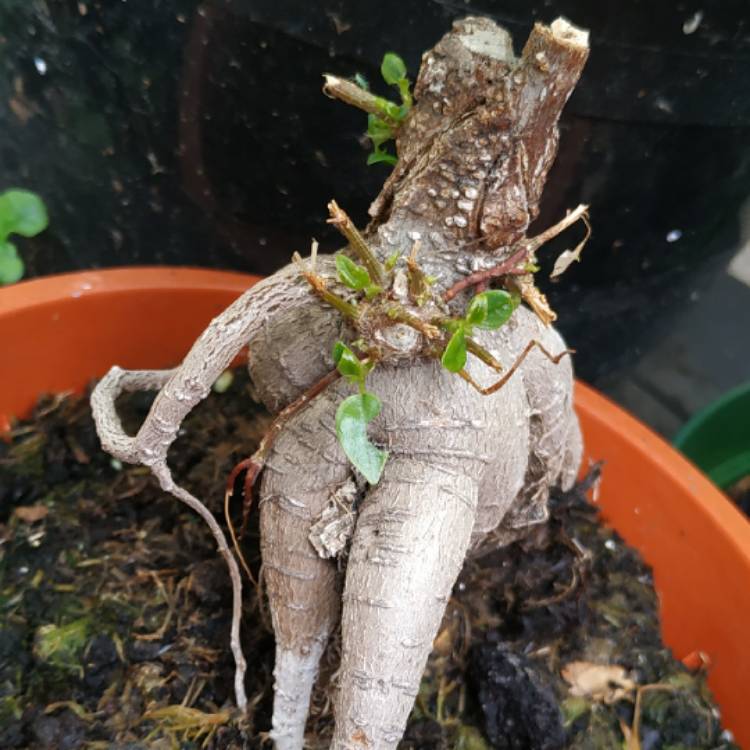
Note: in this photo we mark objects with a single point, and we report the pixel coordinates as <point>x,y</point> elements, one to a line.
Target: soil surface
<point>115,613</point>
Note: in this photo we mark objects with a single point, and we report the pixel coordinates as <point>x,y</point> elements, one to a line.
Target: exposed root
<point>162,473</point>
<point>118,443</point>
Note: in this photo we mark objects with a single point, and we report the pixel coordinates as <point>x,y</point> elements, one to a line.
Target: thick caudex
<point>465,470</point>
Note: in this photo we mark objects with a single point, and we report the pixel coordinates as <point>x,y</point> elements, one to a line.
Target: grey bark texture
<point>465,471</point>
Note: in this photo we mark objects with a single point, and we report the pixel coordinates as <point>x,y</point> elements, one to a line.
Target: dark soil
<point>114,613</point>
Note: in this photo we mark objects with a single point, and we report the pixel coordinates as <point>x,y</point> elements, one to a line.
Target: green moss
<point>61,646</point>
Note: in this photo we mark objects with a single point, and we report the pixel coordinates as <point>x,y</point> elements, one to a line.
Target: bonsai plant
<point>463,417</point>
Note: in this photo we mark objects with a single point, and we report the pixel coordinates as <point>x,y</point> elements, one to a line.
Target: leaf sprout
<point>382,128</point>
<point>355,412</point>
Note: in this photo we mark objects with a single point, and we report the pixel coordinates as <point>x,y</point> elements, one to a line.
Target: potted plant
<point>559,52</point>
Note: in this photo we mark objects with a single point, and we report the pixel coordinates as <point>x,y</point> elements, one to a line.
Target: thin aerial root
<point>251,468</point>
<point>235,542</point>
<point>554,358</point>
<point>162,473</point>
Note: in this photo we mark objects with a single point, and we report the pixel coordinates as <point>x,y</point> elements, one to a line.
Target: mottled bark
<point>464,469</point>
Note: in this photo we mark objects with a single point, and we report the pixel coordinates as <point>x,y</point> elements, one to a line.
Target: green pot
<point>717,439</point>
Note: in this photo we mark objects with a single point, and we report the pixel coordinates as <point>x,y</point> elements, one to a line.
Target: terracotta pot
<point>59,332</point>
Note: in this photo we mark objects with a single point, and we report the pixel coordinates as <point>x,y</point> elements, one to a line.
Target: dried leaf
<point>570,256</point>
<point>334,527</point>
<point>604,683</point>
<point>31,513</point>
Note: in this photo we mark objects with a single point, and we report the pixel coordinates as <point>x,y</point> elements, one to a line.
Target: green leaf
<point>391,261</point>
<point>403,89</point>
<point>390,109</point>
<point>352,417</point>
<point>348,364</point>
<point>454,356</point>
<point>377,157</point>
<point>351,274</point>
<point>11,266</point>
<point>477,311</point>
<point>378,130</point>
<point>393,69</point>
<point>500,306</point>
<point>22,212</point>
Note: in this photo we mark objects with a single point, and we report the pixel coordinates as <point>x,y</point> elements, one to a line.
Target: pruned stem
<point>348,92</point>
<point>579,212</point>
<point>340,219</point>
<point>554,358</point>
<point>318,285</point>
<point>404,316</point>
<point>481,353</point>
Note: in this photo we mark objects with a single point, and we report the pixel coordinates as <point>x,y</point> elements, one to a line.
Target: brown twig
<point>478,277</point>
<point>514,264</point>
<point>404,316</point>
<point>555,358</point>
<point>633,737</point>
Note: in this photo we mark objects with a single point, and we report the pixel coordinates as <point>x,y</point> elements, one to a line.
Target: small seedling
<point>21,212</point>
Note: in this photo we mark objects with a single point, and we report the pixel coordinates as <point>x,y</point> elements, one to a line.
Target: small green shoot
<point>488,310</point>
<point>21,212</point>
<point>355,277</point>
<point>382,128</point>
<point>354,414</point>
